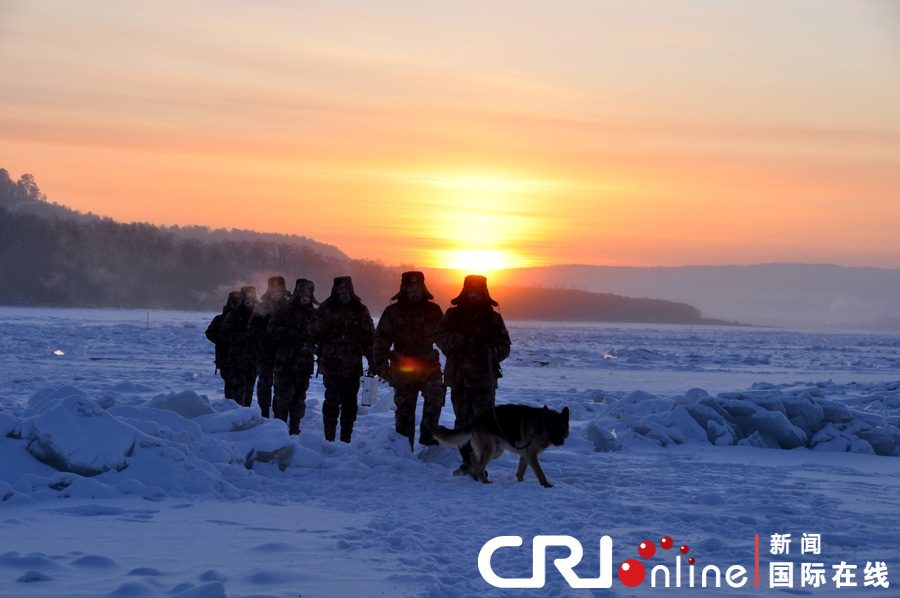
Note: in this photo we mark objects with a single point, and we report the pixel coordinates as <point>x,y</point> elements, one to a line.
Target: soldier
<point>408,324</point>
<point>345,333</point>
<point>242,347</point>
<point>475,340</point>
<point>272,299</point>
<point>214,334</point>
<point>294,353</point>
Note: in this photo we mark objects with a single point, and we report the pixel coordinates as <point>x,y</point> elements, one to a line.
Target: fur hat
<point>276,283</point>
<point>248,293</point>
<point>304,285</point>
<point>343,282</point>
<point>412,277</point>
<point>473,282</point>
<point>234,299</point>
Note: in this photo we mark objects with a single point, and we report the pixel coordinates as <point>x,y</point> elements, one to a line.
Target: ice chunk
<point>681,419</point>
<point>719,430</point>
<point>172,425</point>
<point>775,425</point>
<point>604,440</point>
<point>46,398</point>
<point>243,418</point>
<point>187,404</point>
<point>835,412</point>
<point>805,409</point>
<point>883,440</point>
<point>756,440</point>
<point>78,436</point>
<point>659,434</point>
<point>8,424</point>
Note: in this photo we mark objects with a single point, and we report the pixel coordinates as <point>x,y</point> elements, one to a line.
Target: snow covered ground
<point>123,471</point>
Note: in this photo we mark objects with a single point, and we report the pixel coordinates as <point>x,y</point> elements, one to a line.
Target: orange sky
<point>478,134</point>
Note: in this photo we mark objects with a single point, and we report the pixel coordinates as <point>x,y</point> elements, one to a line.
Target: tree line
<point>98,262</point>
<point>103,263</point>
<point>59,257</point>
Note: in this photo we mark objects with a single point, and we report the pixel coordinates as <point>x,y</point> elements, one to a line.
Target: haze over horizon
<point>469,135</point>
<point>64,258</point>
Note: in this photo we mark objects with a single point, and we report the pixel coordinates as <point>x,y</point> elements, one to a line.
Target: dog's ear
<point>565,413</point>
<point>545,410</point>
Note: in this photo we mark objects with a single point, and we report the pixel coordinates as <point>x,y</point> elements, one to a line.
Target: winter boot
<point>426,438</point>
<point>330,413</point>
<point>463,470</point>
<point>345,436</point>
<point>465,451</point>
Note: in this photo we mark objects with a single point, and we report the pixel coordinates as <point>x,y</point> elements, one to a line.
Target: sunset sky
<point>476,134</point>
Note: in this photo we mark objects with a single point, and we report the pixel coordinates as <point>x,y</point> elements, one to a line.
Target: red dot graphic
<point>666,543</point>
<point>647,549</point>
<point>631,573</point>
<point>684,549</point>
<point>692,560</point>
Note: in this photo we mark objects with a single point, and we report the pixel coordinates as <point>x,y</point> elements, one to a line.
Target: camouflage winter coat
<point>410,328</point>
<point>294,348</point>
<point>242,344</point>
<point>214,334</point>
<point>344,335</point>
<point>483,343</point>
<point>258,328</point>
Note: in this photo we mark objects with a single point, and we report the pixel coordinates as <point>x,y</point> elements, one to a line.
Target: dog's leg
<point>484,452</point>
<point>536,468</point>
<point>520,471</point>
<point>481,470</point>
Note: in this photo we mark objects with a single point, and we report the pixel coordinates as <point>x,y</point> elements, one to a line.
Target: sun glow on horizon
<point>478,261</point>
<point>481,261</point>
<point>480,222</point>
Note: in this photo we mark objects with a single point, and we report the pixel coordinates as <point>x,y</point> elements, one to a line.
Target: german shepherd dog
<point>520,429</point>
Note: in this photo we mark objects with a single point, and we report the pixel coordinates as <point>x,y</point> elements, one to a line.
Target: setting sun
<point>475,261</point>
<point>481,223</point>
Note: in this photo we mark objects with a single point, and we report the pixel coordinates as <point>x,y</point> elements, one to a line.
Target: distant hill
<point>24,197</point>
<point>102,263</point>
<point>52,255</point>
<point>532,303</point>
<point>792,295</point>
<point>204,233</point>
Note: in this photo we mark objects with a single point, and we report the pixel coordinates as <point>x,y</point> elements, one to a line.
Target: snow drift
<point>126,473</point>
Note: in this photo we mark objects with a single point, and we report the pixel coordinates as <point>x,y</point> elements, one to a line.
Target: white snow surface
<point>124,472</point>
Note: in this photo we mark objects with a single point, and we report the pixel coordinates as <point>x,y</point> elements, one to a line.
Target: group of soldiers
<point>275,342</point>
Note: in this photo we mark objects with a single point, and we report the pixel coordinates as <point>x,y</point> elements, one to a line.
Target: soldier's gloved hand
<point>456,340</point>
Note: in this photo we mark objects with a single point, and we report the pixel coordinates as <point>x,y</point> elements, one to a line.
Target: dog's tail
<point>451,437</point>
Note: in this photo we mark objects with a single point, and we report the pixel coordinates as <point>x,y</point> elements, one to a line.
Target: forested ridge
<point>66,259</point>
<point>53,256</point>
